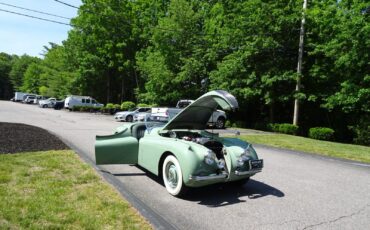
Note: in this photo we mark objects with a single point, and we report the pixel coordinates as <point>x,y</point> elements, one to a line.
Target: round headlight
<point>248,151</point>
<point>240,162</point>
<point>244,157</point>
<point>210,157</point>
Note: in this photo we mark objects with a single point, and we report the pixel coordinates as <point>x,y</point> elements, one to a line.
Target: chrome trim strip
<point>238,173</point>
<point>204,178</point>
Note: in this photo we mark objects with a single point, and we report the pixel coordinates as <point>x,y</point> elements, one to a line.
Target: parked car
<point>129,115</point>
<point>165,112</point>
<point>72,101</point>
<point>40,98</point>
<point>59,105</point>
<point>30,99</point>
<point>218,118</point>
<point>48,103</point>
<point>181,151</point>
<point>141,116</point>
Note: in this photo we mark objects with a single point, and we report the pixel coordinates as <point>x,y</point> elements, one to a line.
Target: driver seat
<point>138,131</point>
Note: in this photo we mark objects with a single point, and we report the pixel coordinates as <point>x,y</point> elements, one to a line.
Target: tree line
<point>160,51</point>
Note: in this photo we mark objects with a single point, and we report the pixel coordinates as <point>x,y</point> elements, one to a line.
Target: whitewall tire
<point>172,176</point>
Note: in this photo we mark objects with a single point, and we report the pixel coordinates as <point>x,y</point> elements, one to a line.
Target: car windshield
<point>154,121</point>
<point>133,109</point>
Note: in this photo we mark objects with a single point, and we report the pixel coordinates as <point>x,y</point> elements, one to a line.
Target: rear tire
<point>172,176</point>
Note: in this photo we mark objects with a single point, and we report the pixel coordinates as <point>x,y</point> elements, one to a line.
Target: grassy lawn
<point>346,151</point>
<point>56,190</point>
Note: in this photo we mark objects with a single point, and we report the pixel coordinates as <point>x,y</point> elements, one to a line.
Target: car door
<point>119,148</point>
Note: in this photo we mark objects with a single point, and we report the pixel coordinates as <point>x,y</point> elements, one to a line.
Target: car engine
<point>207,142</point>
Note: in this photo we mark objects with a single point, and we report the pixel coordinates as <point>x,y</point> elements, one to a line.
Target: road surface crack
<point>337,219</point>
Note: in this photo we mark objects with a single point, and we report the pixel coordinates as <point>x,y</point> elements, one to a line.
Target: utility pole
<point>299,66</point>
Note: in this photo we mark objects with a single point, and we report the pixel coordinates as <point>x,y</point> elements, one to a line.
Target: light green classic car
<point>181,151</point>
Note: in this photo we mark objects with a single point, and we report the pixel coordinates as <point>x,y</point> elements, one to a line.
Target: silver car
<point>129,115</point>
<point>48,103</point>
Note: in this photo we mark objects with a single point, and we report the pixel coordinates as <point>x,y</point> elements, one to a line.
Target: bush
<point>143,105</point>
<point>85,108</point>
<point>260,126</point>
<point>127,105</point>
<point>362,132</point>
<point>77,108</point>
<point>228,124</point>
<point>240,124</point>
<point>321,133</point>
<point>284,128</point>
<point>109,106</point>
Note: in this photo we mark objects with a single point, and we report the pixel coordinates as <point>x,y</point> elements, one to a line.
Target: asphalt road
<point>294,191</point>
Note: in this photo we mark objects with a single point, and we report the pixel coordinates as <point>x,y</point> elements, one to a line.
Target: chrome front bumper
<point>208,178</point>
<point>251,172</point>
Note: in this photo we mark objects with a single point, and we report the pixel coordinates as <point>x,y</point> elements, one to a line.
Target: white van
<point>72,101</point>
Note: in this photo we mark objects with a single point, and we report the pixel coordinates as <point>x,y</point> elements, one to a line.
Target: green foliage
<point>158,52</point>
<point>19,67</point>
<point>284,128</point>
<point>5,82</point>
<point>77,108</point>
<point>33,79</point>
<point>362,131</point>
<point>261,126</point>
<point>228,124</point>
<point>84,108</point>
<point>240,124</point>
<point>43,90</point>
<point>143,105</point>
<point>321,133</point>
<point>127,105</point>
<point>109,106</point>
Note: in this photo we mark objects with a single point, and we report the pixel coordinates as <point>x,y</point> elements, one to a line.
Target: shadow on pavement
<point>228,194</point>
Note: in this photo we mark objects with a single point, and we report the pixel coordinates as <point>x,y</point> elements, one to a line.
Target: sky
<point>23,35</point>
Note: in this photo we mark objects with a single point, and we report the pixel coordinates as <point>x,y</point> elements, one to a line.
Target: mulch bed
<point>15,138</point>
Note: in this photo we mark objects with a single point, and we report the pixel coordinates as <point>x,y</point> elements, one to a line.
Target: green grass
<point>56,190</point>
<point>345,151</point>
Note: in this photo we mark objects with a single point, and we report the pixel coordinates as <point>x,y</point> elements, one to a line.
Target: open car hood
<point>197,114</point>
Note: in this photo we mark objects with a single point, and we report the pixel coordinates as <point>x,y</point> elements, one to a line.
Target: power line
<point>30,16</point>
<point>40,12</point>
<point>67,4</point>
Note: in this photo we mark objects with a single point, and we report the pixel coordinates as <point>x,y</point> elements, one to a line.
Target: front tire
<point>129,118</point>
<point>172,176</point>
<point>220,123</point>
<point>44,106</point>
